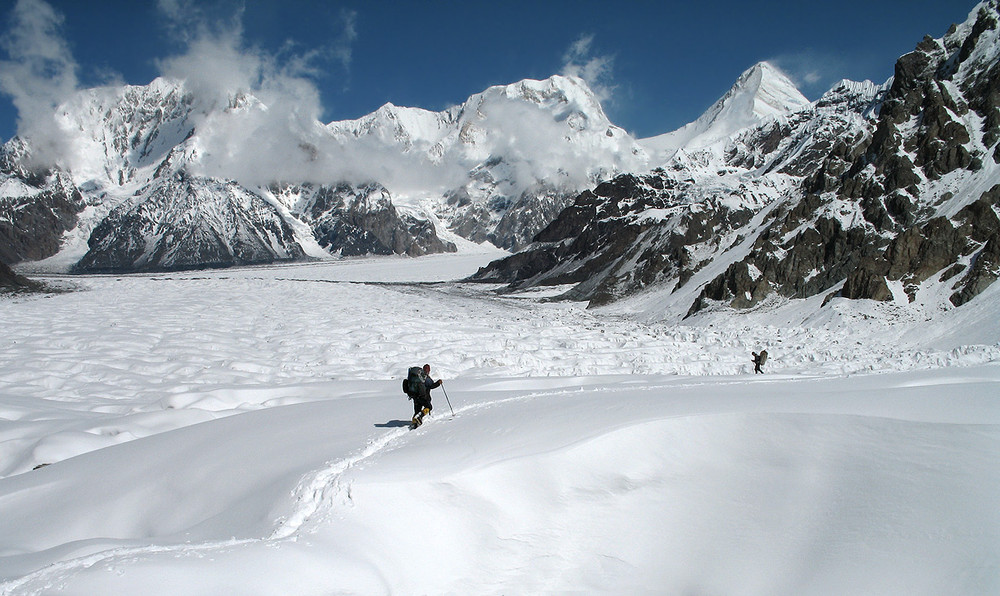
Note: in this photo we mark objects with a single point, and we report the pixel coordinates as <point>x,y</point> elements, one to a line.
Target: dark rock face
<point>32,226</point>
<point>608,243</point>
<point>522,220</point>
<point>10,281</point>
<point>507,222</point>
<point>922,251</point>
<point>39,207</point>
<point>188,223</point>
<point>362,220</point>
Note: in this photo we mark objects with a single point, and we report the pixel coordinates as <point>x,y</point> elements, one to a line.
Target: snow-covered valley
<point>243,431</point>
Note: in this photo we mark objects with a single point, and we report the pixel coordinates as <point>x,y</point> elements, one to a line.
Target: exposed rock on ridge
<point>355,221</point>
<point>871,192</point>
<point>871,213</point>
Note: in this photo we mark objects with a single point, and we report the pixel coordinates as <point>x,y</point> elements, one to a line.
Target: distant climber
<point>418,385</point>
<point>759,360</point>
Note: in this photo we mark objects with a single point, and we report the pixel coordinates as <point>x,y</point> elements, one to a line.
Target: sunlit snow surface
<point>243,432</point>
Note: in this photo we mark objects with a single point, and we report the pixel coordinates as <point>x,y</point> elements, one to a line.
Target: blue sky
<point>656,65</point>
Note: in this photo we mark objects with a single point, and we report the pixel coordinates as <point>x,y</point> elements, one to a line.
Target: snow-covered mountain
<point>36,207</point>
<point>183,223</point>
<point>358,220</point>
<point>761,92</point>
<point>661,228</point>
<point>513,152</point>
<point>497,168</point>
<point>884,192</point>
<point>872,191</point>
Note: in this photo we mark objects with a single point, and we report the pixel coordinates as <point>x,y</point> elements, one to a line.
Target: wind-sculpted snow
<point>244,431</point>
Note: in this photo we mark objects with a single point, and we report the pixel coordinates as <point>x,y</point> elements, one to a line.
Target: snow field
<point>655,484</point>
<point>243,431</point>
<point>133,356</point>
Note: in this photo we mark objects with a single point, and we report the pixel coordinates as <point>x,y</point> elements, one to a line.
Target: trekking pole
<point>448,400</point>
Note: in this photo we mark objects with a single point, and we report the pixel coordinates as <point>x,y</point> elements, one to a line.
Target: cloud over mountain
<point>41,72</point>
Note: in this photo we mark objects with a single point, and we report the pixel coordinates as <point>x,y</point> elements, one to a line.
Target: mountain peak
<point>557,93</point>
<point>773,93</point>
<point>762,91</point>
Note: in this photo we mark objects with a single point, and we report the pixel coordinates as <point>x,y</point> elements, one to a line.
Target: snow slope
<point>243,431</point>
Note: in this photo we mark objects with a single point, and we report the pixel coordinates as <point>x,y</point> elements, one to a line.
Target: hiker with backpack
<point>759,360</point>
<point>418,385</point>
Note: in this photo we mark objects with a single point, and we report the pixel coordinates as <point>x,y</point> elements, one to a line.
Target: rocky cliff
<point>915,201</point>
<point>874,192</point>
<point>352,221</point>
<point>37,206</point>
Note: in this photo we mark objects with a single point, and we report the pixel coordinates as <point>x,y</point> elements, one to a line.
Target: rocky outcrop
<point>963,251</point>
<point>869,217</point>
<point>528,215</point>
<point>609,242</point>
<point>351,220</point>
<point>36,207</point>
<point>482,211</point>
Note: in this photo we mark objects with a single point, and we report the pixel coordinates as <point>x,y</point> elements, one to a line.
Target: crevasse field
<point>244,432</point>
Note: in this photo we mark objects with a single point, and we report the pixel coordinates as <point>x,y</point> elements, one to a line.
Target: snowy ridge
<point>523,148</point>
<point>122,134</point>
<point>396,125</point>
<point>517,127</point>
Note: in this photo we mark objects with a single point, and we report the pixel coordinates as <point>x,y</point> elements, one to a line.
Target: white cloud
<point>40,72</point>
<point>345,42</point>
<point>257,113</point>
<point>279,138</point>
<point>578,61</point>
<point>813,73</point>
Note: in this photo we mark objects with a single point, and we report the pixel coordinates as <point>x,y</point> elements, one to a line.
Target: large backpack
<point>414,379</point>
<point>763,357</point>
